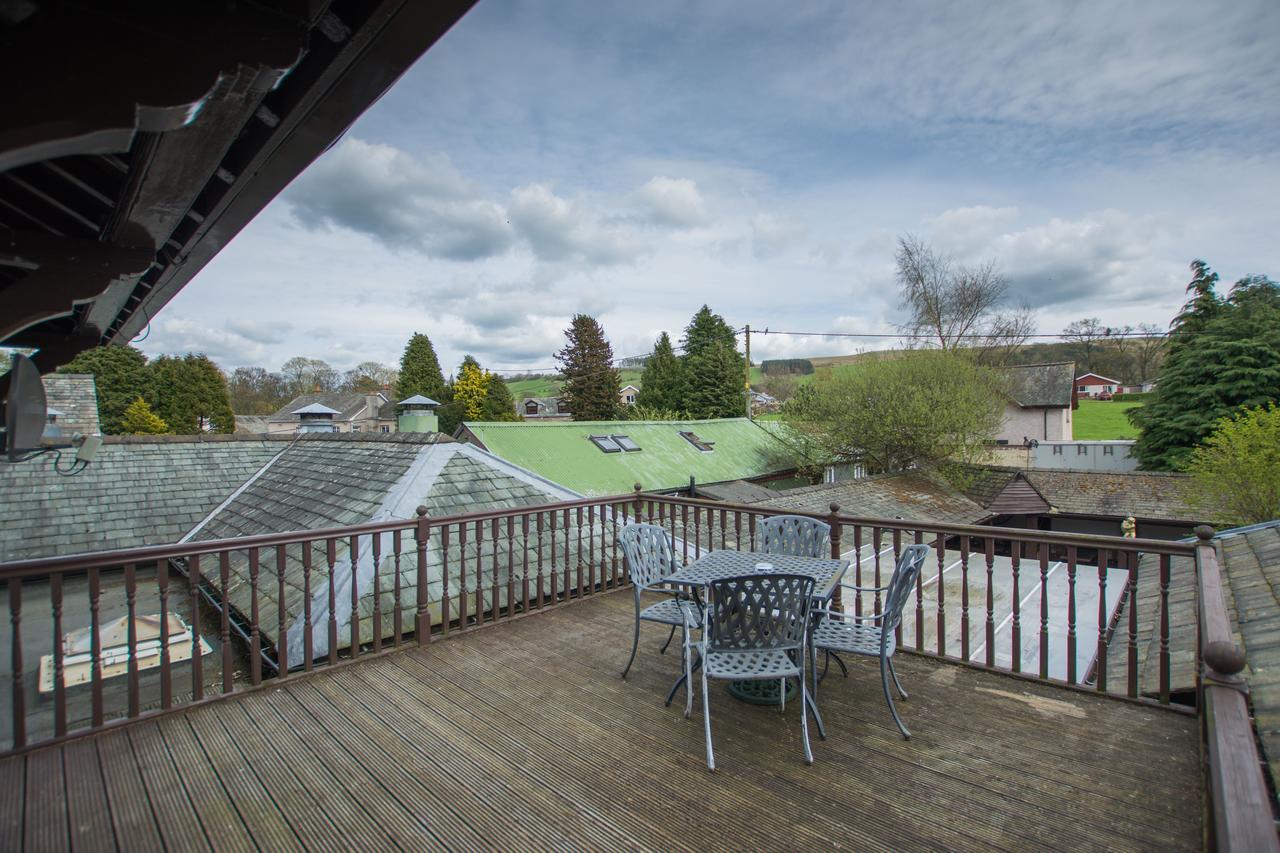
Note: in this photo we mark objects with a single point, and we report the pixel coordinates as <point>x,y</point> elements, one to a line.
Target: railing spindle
<point>555,584</point>
<point>59,688</point>
<point>751,529</point>
<point>578,555</point>
<point>308,641</point>
<point>353,623</point>
<point>131,629</point>
<point>495,608</point>
<point>479,532</point>
<point>1131,563</point>
<point>1164,628</point>
<point>877,534</point>
<point>331,556</point>
<point>541,579</point>
<point>684,529</point>
<point>1103,621</point>
<point>462,577</point>
<point>95,643</point>
<point>397,619</point>
<point>422,591</point>
<point>1044,611</point>
<point>255,634</point>
<point>166,674</point>
<point>857,569</point>
<point>1015,553</point>
<point>445,598</point>
<point>564,569</point>
<point>940,546</point>
<point>193,597</point>
<point>918,539</point>
<point>282,616</point>
<point>524,560</point>
<point>965,642</point>
<point>19,689</point>
<point>375,545</point>
<point>228,661</point>
<point>1071,613</point>
<point>989,550</point>
<point>511,575</point>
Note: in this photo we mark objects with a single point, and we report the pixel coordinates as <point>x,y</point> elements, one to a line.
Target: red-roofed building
<point>1093,385</point>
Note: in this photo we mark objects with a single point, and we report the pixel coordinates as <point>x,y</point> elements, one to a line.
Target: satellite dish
<point>25,410</point>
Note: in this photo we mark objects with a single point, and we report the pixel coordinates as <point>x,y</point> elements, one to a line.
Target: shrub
<point>786,367</point>
<point>1235,473</point>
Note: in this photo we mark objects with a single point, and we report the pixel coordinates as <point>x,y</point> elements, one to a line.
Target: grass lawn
<point>549,386</point>
<point>1103,420</point>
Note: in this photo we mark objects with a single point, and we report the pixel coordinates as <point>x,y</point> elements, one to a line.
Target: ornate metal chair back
<point>758,612</point>
<point>648,553</point>
<point>901,585</point>
<point>796,536</point>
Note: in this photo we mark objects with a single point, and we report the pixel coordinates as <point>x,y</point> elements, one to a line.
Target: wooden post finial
<point>1204,532</point>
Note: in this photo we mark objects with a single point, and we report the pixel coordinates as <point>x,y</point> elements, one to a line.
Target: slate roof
<point>736,492</point>
<point>141,490</point>
<point>1041,385</point>
<point>562,451</point>
<point>912,495</point>
<point>251,424</point>
<point>75,395</point>
<point>349,406</point>
<point>331,480</point>
<point>1147,495</point>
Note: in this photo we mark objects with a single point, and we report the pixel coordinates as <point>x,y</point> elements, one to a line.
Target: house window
<point>1081,450</point>
<point>531,408</point>
<point>355,427</point>
<point>1057,450</point>
<point>625,442</point>
<point>631,398</point>
<point>692,438</point>
<point>605,443</point>
<point>1108,450</point>
<point>1084,389</point>
<point>386,428</point>
<point>563,408</point>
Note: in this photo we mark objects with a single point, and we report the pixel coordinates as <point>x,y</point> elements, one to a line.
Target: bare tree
<point>956,305</point>
<point>1086,335</point>
<point>1148,351</point>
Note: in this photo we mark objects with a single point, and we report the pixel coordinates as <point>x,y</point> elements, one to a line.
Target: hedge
<point>1135,397</point>
<point>786,367</point>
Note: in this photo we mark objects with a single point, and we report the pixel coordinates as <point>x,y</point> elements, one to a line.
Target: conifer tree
<point>662,382</point>
<point>591,382</point>
<point>470,391</point>
<point>499,405</point>
<point>120,375</point>
<point>420,371</point>
<point>713,369</point>
<point>191,393</point>
<point>138,419</point>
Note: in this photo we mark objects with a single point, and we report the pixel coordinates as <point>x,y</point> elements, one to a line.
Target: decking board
<point>522,735</point>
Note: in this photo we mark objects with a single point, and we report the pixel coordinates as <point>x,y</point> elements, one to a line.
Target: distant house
<point>554,408</point>
<point>72,400</point>
<point>1092,385</point>
<point>251,424</point>
<point>610,457</point>
<point>352,412</point>
<point>1041,398</point>
<point>627,396</point>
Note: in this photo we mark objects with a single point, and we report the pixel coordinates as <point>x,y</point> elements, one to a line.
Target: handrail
<point>1242,816</point>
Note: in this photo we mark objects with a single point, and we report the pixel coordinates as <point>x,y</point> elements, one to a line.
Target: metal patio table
<point>727,563</point>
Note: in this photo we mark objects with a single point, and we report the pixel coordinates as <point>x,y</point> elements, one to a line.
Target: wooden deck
<point>523,736</point>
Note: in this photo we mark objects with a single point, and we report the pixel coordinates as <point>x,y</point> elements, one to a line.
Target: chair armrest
<point>884,588</point>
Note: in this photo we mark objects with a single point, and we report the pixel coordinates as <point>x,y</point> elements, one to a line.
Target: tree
<point>1086,337</point>
<point>921,408</point>
<point>713,371</point>
<point>499,405</point>
<point>1235,474</point>
<point>591,382</point>
<point>470,391</point>
<point>956,306</point>
<point>191,393</point>
<point>254,391</point>
<point>1147,352</point>
<point>121,376</point>
<point>369,377</point>
<point>1221,355</point>
<point>420,371</point>
<point>308,376</point>
<point>140,420</point>
<point>662,382</point>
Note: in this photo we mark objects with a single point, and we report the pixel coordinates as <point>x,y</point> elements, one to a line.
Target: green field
<point>1103,420</point>
<point>549,386</point>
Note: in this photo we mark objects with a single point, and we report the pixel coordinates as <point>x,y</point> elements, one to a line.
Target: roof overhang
<point>139,138</point>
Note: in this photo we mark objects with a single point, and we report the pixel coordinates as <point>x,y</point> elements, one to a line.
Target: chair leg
<point>663,650</point>
<point>804,719</point>
<point>635,643</point>
<point>687,654</point>
<point>706,720</point>
<point>896,682</point>
<point>888,697</point>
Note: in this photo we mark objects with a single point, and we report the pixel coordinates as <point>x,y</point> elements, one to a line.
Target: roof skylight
<point>692,438</point>
<point>605,443</point>
<point>625,442</point>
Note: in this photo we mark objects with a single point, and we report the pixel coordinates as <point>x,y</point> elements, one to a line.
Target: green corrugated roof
<point>562,452</point>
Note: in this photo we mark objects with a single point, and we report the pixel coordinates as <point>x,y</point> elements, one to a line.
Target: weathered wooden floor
<point>522,736</point>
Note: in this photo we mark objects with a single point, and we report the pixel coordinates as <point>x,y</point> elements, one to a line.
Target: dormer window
<point>692,438</point>
<point>606,443</point>
<point>531,407</point>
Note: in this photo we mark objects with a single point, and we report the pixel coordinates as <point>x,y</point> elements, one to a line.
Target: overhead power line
<point>1107,334</point>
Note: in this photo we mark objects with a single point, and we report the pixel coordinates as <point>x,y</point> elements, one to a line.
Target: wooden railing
<point>1085,612</point>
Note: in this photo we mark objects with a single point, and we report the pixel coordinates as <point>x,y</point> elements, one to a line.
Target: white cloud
<point>672,201</point>
<point>560,229</point>
<point>772,235</point>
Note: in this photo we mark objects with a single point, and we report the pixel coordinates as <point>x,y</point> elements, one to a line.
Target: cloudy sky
<point>635,160</point>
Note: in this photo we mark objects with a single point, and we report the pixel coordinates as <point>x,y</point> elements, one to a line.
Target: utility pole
<point>746,379</point>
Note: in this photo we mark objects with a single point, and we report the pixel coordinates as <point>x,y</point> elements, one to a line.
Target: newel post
<point>639,509</point>
<point>422,621</point>
<point>834,521</point>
